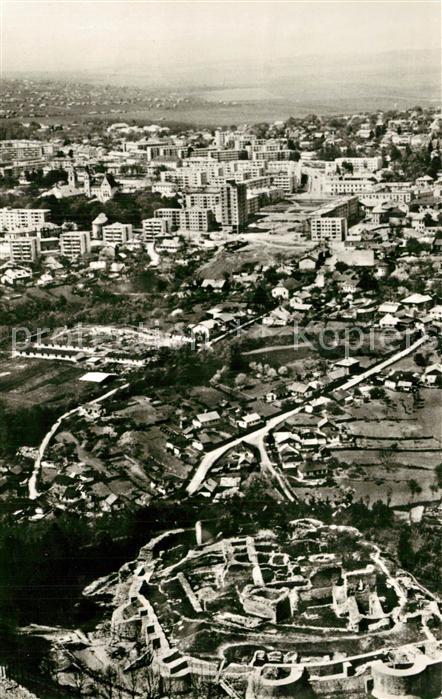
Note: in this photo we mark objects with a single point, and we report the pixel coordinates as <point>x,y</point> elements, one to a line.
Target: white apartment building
<point>325,228</point>
<point>117,233</point>
<point>346,207</point>
<point>220,138</point>
<point>156,226</point>
<point>186,177</point>
<point>287,181</point>
<point>21,220</point>
<point>75,243</point>
<point>24,249</point>
<point>196,219</point>
<point>234,205</point>
<point>254,182</point>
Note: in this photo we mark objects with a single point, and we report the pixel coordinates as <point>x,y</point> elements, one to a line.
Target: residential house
<point>205,419</point>
<point>249,420</point>
<point>215,285</point>
<point>388,322</point>
<point>280,292</point>
<point>279,317</point>
<point>417,302</point>
<point>433,375</point>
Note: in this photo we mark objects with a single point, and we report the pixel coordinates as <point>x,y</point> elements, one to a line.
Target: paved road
<point>32,483</point>
<point>258,435</point>
<point>154,256</point>
<point>275,348</point>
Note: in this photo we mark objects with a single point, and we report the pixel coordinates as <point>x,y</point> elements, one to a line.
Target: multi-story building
<point>197,219</point>
<point>25,249</point>
<point>171,215</point>
<point>326,228</point>
<point>17,220</point>
<point>345,208</point>
<point>283,154</point>
<point>186,177</point>
<point>286,181</point>
<point>75,243</point>
<point>156,226</point>
<point>358,166</point>
<point>224,156</point>
<point>234,205</point>
<point>205,200</point>
<point>388,194</point>
<point>338,186</point>
<point>117,233</point>
<point>23,150</point>
<point>165,151</point>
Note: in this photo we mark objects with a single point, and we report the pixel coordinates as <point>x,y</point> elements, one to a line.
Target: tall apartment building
<point>17,220</point>
<point>205,200</point>
<point>117,233</point>
<point>325,228</point>
<point>234,205</point>
<point>75,243</point>
<point>196,219</point>
<point>171,215</point>
<point>24,249</point>
<point>220,138</point>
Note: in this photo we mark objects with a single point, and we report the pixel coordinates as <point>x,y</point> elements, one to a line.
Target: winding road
<point>32,483</point>
<point>257,437</point>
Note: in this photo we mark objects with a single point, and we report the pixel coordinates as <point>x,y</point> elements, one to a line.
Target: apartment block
<point>156,226</point>
<point>24,249</point>
<point>171,215</point>
<point>75,243</point>
<point>286,181</point>
<point>234,205</point>
<point>117,233</point>
<point>197,219</point>
<point>17,220</point>
<point>325,228</point>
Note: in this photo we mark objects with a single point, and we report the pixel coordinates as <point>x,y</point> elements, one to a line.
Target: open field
<point>395,493</point>
<point>252,254</point>
<point>29,383</point>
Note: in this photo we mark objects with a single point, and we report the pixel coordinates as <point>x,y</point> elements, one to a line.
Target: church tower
<point>87,184</point>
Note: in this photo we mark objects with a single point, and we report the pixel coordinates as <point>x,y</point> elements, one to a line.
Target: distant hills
<point>337,83</point>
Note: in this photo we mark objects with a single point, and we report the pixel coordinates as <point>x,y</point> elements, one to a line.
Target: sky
<point>101,35</point>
